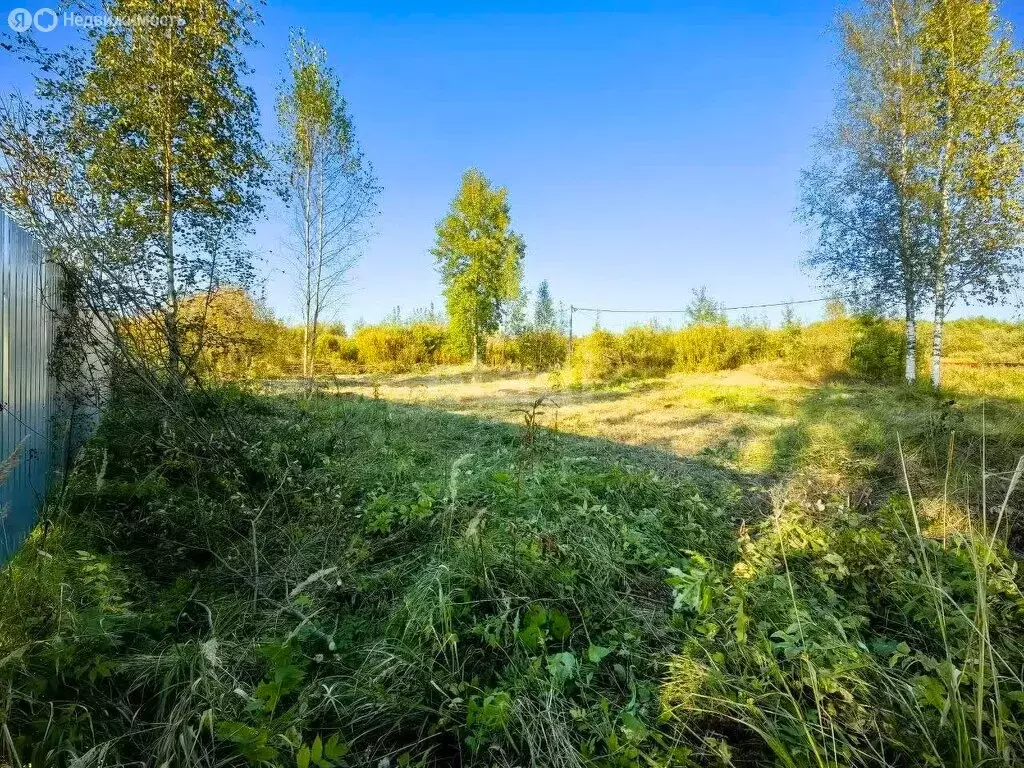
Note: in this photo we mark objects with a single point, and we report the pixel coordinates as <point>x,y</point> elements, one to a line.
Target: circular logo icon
<point>20,19</point>
<point>45,19</point>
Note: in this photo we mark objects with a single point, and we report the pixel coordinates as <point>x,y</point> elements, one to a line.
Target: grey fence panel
<point>28,395</point>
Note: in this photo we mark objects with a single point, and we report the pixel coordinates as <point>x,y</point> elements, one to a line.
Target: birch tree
<point>329,186</point>
<point>863,193</point>
<point>140,165</point>
<point>479,258</point>
<point>975,87</point>
<point>173,133</point>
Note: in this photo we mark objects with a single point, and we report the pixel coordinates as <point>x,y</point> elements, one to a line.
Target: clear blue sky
<point>648,148</point>
<point>645,153</point>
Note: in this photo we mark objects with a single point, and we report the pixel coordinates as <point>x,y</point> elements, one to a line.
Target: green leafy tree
<point>515,321</point>
<point>862,195</point>
<point>171,137</point>
<point>544,315</point>
<point>479,258</point>
<point>703,310</point>
<point>138,165</point>
<point>917,196</point>
<point>328,184</point>
<point>974,79</point>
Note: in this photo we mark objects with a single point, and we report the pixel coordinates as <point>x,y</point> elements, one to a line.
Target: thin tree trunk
<point>308,245</point>
<point>909,286</point>
<point>906,247</point>
<point>171,309</point>
<point>943,246</point>
<point>317,291</point>
<point>940,317</point>
<point>911,366</point>
<point>941,261</point>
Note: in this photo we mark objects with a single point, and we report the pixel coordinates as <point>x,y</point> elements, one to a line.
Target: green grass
<point>345,580</point>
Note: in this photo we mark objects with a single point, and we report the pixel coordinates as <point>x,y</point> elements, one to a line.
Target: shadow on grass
<point>842,435</point>
<point>852,433</point>
<point>455,434</point>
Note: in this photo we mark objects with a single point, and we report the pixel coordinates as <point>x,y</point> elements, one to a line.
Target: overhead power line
<point>574,309</point>
<point>723,309</point>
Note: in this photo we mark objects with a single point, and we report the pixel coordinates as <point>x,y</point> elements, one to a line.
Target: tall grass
<point>843,637</point>
<point>368,583</point>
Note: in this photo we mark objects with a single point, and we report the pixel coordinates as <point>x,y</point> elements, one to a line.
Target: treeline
<point>246,342</point>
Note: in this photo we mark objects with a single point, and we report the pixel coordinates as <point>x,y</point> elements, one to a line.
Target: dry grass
<point>831,436</point>
<point>729,417</point>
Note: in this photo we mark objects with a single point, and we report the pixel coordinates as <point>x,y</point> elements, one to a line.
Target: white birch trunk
<point>940,317</point>
<point>911,367</point>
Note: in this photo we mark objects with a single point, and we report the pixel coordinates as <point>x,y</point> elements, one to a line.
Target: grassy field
<point>486,569</point>
<point>839,436</point>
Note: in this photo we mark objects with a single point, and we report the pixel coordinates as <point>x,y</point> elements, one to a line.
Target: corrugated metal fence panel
<point>28,399</point>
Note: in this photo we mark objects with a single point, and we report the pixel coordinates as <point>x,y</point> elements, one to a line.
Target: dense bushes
<point>401,347</point>
<point>531,350</point>
<point>243,342</point>
<point>861,346</point>
<point>645,351</point>
<point>878,349</point>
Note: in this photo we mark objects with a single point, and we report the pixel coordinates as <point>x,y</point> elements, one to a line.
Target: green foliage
<point>878,349</point>
<point>831,632</point>
<point>479,258</point>
<point>645,351</point>
<point>329,582</point>
<point>973,157</point>
<point>168,100</point>
<point>396,348</point>
<point>170,137</point>
<point>704,310</point>
<point>238,336</point>
<point>530,349</point>
<point>927,153</point>
<point>544,318</point>
<point>242,341</point>
<point>395,598</point>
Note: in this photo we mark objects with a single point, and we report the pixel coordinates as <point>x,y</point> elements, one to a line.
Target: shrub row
<point>865,347</point>
<point>242,342</point>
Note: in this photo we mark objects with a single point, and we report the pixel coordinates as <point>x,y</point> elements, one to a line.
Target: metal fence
<point>28,393</point>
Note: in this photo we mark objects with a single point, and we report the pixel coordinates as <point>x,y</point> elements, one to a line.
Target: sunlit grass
<point>725,563</point>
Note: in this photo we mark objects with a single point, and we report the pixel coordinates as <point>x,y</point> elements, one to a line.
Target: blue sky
<point>647,151</point>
